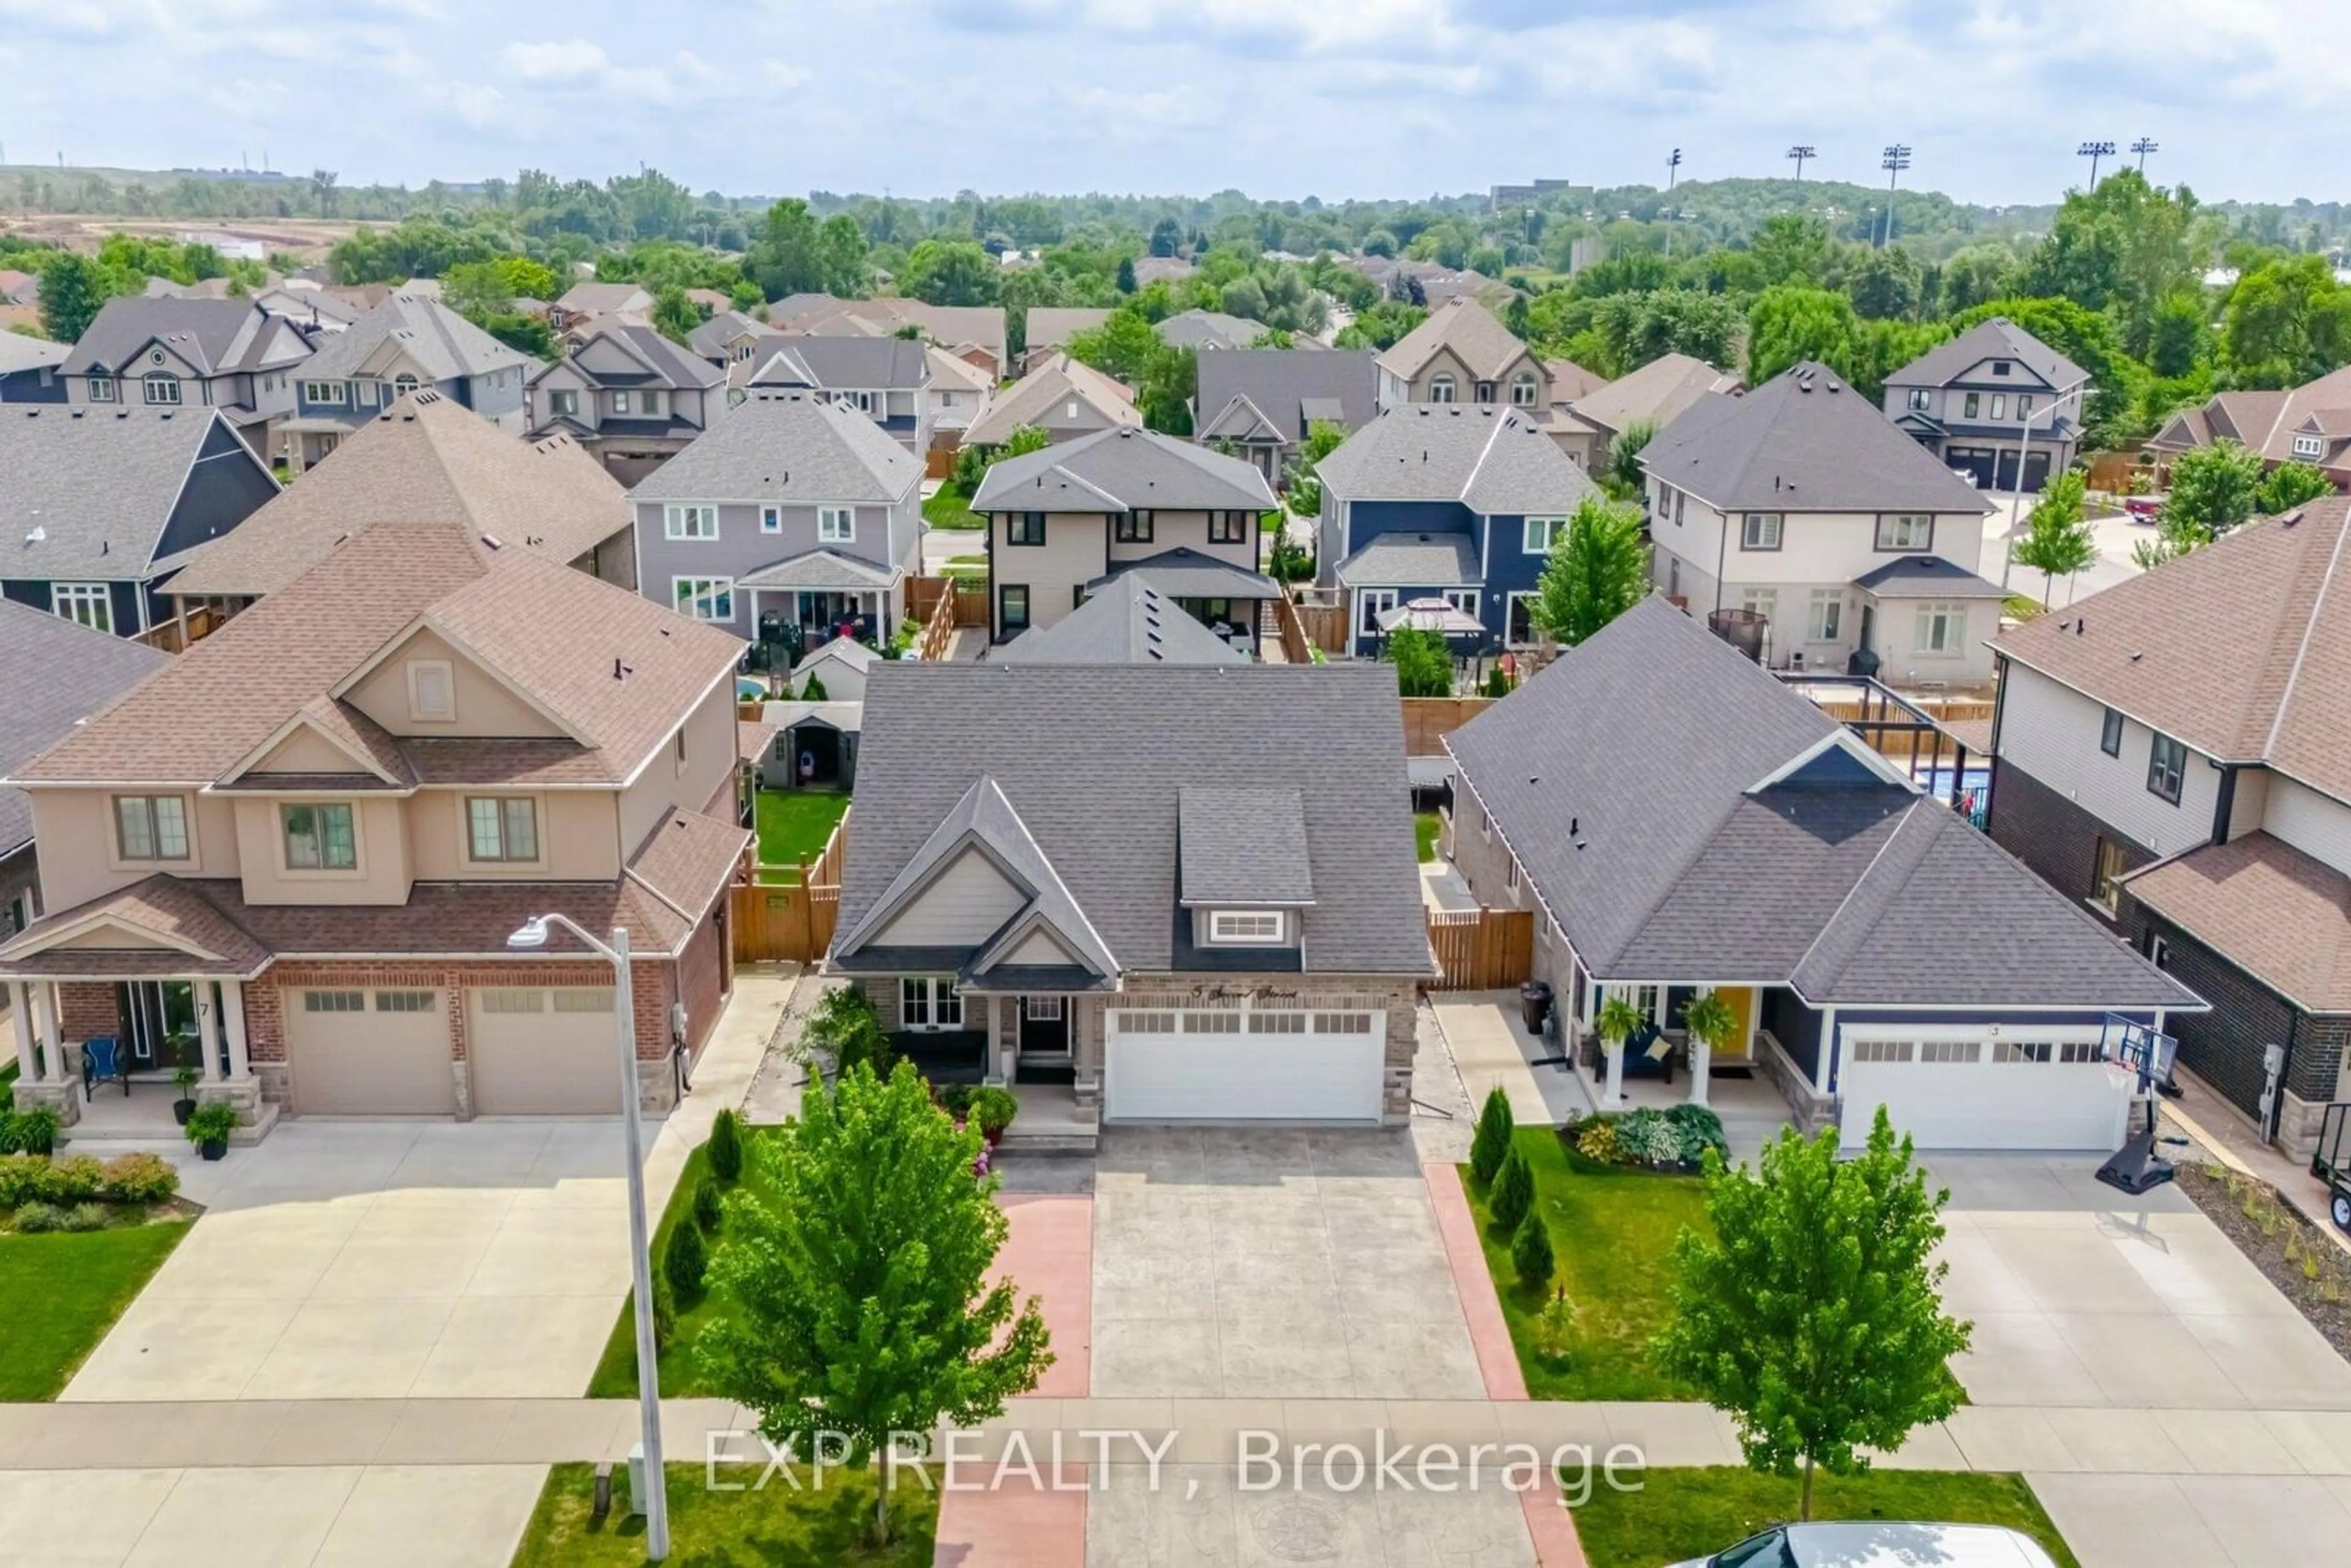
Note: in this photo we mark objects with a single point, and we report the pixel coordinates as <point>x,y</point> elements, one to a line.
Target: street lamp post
<point>2024,453</point>
<point>1896,159</point>
<point>532,935</point>
<point>2094,151</point>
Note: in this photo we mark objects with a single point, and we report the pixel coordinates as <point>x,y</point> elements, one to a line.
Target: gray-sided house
<point>1221,946</point>
<point>1261,403</point>
<point>1990,397</point>
<point>102,506</point>
<point>407,343</point>
<point>629,396</point>
<point>1679,822</point>
<point>792,510</point>
<point>1461,353</point>
<point>1129,621</point>
<point>32,368</point>
<point>1463,503</point>
<point>882,378</point>
<point>226,354</point>
<point>1065,522</point>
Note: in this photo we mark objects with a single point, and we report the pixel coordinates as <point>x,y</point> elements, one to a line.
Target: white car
<point>1877,1544</point>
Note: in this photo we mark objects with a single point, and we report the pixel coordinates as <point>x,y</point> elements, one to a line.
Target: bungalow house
<point>1679,822</point>
<point>317,894</point>
<point>1066,522</point>
<point>2309,423</point>
<point>1222,947</point>
<point>885,378</point>
<point>102,506</point>
<point>1065,397</point>
<point>170,353</point>
<point>795,510</point>
<point>1651,397</point>
<point>1260,403</point>
<point>407,343</point>
<point>1458,502</point>
<point>1992,395</point>
<point>1207,331</point>
<point>629,396</point>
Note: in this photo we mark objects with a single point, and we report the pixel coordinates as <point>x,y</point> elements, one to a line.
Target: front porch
<point>140,1034</point>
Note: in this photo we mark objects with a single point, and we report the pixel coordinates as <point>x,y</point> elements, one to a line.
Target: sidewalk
<point>1488,1049</point>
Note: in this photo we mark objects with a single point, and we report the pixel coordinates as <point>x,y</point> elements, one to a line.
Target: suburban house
<point>104,505</point>
<point>1128,622</point>
<point>1065,522</point>
<point>2309,423</point>
<point>1835,539</point>
<point>794,510</point>
<point>728,335</point>
<point>615,302</point>
<point>1459,502</point>
<point>629,396</point>
<point>377,776</point>
<point>54,674</point>
<point>31,369</point>
<point>1461,353</point>
<point>885,378</point>
<point>229,355</point>
<point>1065,397</point>
<point>1989,396</point>
<point>1207,331</point>
<point>1049,327</point>
<point>1221,946</point>
<point>407,343</point>
<point>1653,396</point>
<point>972,332</point>
<point>313,309</point>
<point>423,463</point>
<point>1678,820</point>
<point>2168,755</point>
<point>954,400</point>
<point>1260,404</point>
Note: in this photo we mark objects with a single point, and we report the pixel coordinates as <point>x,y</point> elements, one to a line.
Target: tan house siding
<point>74,828</point>
<point>710,766</point>
<point>578,837</point>
<point>486,707</point>
<point>1075,552</point>
<point>1186,530</point>
<point>380,827</point>
<point>965,902</point>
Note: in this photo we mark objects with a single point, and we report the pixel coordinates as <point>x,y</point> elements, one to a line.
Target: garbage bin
<point>1534,1006</point>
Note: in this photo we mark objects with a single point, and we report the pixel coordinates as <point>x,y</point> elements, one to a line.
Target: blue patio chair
<point>102,1060</point>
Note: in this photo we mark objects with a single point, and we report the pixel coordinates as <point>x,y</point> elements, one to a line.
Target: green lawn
<point>1611,1229</point>
<point>65,1292</point>
<point>1425,828</point>
<point>774,1527</point>
<point>1681,1514</point>
<point>795,823</point>
<point>946,509</point>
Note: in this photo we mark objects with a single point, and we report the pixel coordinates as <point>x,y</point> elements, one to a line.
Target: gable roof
<point>1751,839</point>
<point>86,493</point>
<point>1462,325</point>
<point>2280,914</point>
<point>1119,470</point>
<point>1029,400</point>
<point>710,337</point>
<point>951,326</point>
<point>846,650</point>
<point>215,337</point>
<point>1278,384</point>
<point>790,446</point>
<point>1656,394</point>
<point>54,673</point>
<point>1126,622</point>
<point>442,343</point>
<point>605,299</point>
<point>1996,339</point>
<point>802,360</point>
<point>425,462</point>
<point>1050,325</point>
<point>18,352</point>
<point>1210,329</point>
<point>665,362</point>
<point>1570,381</point>
<point>964,375</point>
<point>1242,844</point>
<point>2241,649</point>
<point>1488,456</point>
<point>1804,440</point>
<point>2264,421</point>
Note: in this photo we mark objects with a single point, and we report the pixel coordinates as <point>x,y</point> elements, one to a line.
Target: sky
<point>2248,98</point>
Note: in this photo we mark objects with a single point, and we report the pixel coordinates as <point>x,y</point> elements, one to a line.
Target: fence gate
<point>1482,949</point>
<point>774,923</point>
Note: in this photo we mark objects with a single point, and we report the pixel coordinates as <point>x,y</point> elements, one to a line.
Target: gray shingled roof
<point>97,487</point>
<point>820,568</point>
<point>1929,576</point>
<point>440,340</point>
<point>1129,621</point>
<point>1211,329</point>
<point>18,352</point>
<point>1997,338</point>
<point>1289,387</point>
<point>53,674</point>
<point>1803,442</point>
<point>790,446</point>
<point>215,336</point>
<point>1672,859</point>
<point>848,650</point>
<point>1487,456</point>
<point>1412,560</point>
<point>709,339</point>
<point>1242,844</point>
<point>1121,470</point>
<point>1060,742</point>
<point>1187,573</point>
<point>840,364</point>
<point>671,365</point>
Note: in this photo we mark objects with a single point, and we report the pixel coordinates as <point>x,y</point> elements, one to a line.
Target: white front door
<point>1952,1089</point>
<point>1235,1065</point>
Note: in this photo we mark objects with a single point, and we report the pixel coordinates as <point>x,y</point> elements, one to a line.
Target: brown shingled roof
<point>688,861</point>
<point>2274,912</point>
<point>174,913</point>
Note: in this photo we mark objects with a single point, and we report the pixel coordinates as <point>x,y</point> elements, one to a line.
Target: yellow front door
<point>1742,1006</point>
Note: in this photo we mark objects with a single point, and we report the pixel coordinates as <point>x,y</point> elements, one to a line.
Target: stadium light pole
<point>1896,159</point>
<point>2143,146</point>
<point>1673,173</point>
<point>2094,151</point>
<point>1800,153</point>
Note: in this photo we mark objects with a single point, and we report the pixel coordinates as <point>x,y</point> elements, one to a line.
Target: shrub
<point>39,1219</point>
<point>1514,1191</point>
<point>727,1146</point>
<point>1596,1140</point>
<point>1498,685</point>
<point>993,1109</point>
<point>814,691</point>
<point>1491,1145</point>
<point>1645,1134</point>
<point>20,1178</point>
<point>954,1099</point>
<point>707,1213</point>
<point>33,1131</point>
<point>684,1261</point>
<point>138,1178</point>
<point>1699,1129</point>
<point>72,1180</point>
<point>846,1025</point>
<point>84,1217</point>
<point>665,1314</point>
<point>1531,1253</point>
<point>212,1124</point>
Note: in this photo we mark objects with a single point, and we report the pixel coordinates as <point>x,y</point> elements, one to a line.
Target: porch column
<point>240,1066</point>
<point>207,1028</point>
<point>1613,1099</point>
<point>1823,1056</point>
<point>47,1024</point>
<point>1000,1069</point>
<point>20,1013</point>
<point>1702,1063</point>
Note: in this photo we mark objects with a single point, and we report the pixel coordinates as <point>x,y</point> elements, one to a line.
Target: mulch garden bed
<point>2295,1255</point>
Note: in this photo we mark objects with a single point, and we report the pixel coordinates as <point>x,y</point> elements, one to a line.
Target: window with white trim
<point>2167,766</point>
<point>1951,1051</point>
<point>329,394</point>
<point>1942,629</point>
<point>771,519</point>
<point>334,1001</point>
<point>1376,602</point>
<point>1906,530</point>
<point>929,1004</point>
<point>160,387</point>
<point>2309,445</point>
<point>404,383</point>
<point>150,826</point>
<point>1760,530</point>
<point>1879,1050</point>
<point>1519,618</point>
<point>102,389</point>
<point>1042,1009</point>
<point>1441,389</point>
<point>703,598</point>
<point>836,525</point>
<point>403,1001</point>
<point>1464,599</point>
<point>617,401</point>
<point>1246,927</point>
<point>1523,389</point>
<point>689,522</point>
<point>318,837</point>
<point>1763,602</point>
<point>501,827</point>
<point>1999,405</point>
<point>86,604</point>
<point>1543,535</point>
<point>1826,615</point>
<point>432,690</point>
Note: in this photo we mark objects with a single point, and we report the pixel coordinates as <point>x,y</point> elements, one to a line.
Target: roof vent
<point>2080,625</point>
<point>76,413</point>
<point>38,535</point>
<point>620,672</point>
<point>493,542</point>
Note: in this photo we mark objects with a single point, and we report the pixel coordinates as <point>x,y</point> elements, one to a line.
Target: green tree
<point>1789,247</point>
<point>2289,484</point>
<point>685,1262</point>
<point>1164,394</point>
<point>1885,285</point>
<point>675,315</point>
<point>1531,1257</point>
<point>1491,1145</point>
<point>1126,275</point>
<point>1595,573</point>
<point>2057,540</point>
<point>726,1149</point>
<point>2180,341</point>
<point>1791,323</point>
<point>1513,1196</point>
<point>2087,338</point>
<point>1624,480</point>
<point>1815,1315</point>
<point>1323,437</point>
<point>1167,234</point>
<point>858,1263</point>
<point>73,290</point>
<point>950,272</point>
<point>1025,439</point>
<point>2213,489</point>
<point>1121,346</point>
<point>2288,321</point>
<point>1424,666</point>
<point>795,254</point>
<point>1973,275</point>
<point>2120,249</point>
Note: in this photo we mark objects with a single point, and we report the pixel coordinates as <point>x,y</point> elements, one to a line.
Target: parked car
<point>1875,1543</point>
<point>2142,508</point>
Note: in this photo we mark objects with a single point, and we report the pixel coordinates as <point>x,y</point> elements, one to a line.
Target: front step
<point>1059,1143</point>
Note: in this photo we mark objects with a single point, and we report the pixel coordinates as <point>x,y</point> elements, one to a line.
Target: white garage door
<point>2048,1089</point>
<point>368,1054</point>
<point>1194,1066</point>
<point>543,1050</point>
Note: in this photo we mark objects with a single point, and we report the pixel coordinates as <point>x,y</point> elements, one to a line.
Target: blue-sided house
<point>1680,821</point>
<point>1455,501</point>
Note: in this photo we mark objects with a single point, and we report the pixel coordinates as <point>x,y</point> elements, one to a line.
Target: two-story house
<point>1262,403</point>
<point>1066,521</point>
<point>226,354</point>
<point>406,343</point>
<point>605,303</point>
<point>1432,500</point>
<point>794,510</point>
<point>953,401</point>
<point>885,378</point>
<point>1990,397</point>
<point>629,397</point>
<point>1065,397</point>
<point>317,893</point>
<point>727,335</point>
<point>976,333</point>
<point>1461,353</point>
<point>104,505</point>
<point>2167,754</point>
<point>1649,398</point>
<point>2309,423</point>
<point>1799,511</point>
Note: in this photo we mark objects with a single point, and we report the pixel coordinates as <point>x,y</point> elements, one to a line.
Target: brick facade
<point>2056,839</point>
<point>88,1008</point>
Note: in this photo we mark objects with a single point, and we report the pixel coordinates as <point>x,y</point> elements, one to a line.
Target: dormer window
<point>432,691</point>
<point>1247,928</point>
<point>2309,445</point>
<point>1523,391</point>
<point>161,387</point>
<point>402,384</point>
<point>1441,389</point>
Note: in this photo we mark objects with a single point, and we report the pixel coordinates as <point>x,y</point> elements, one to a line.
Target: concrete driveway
<point>376,1260</point>
<point>2084,1297</point>
<point>1239,1264</point>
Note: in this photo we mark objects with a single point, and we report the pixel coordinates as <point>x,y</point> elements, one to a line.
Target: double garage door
<point>536,1050</point>
<point>1193,1065</point>
<point>2046,1092</point>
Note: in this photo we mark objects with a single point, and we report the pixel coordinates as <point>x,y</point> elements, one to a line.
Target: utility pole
<point>2094,151</point>
<point>2143,146</point>
<point>1896,159</point>
<point>1673,173</point>
<point>1800,153</point>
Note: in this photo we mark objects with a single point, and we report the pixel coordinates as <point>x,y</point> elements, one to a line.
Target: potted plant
<point>209,1127</point>
<point>184,1079</point>
<point>1619,1022</point>
<point>993,1109</point>
<point>1713,1023</point>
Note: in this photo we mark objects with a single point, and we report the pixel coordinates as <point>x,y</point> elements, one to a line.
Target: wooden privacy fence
<point>1325,626</point>
<point>924,594</point>
<point>1482,949</point>
<point>783,923</point>
<point>1428,720</point>
<point>167,635</point>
